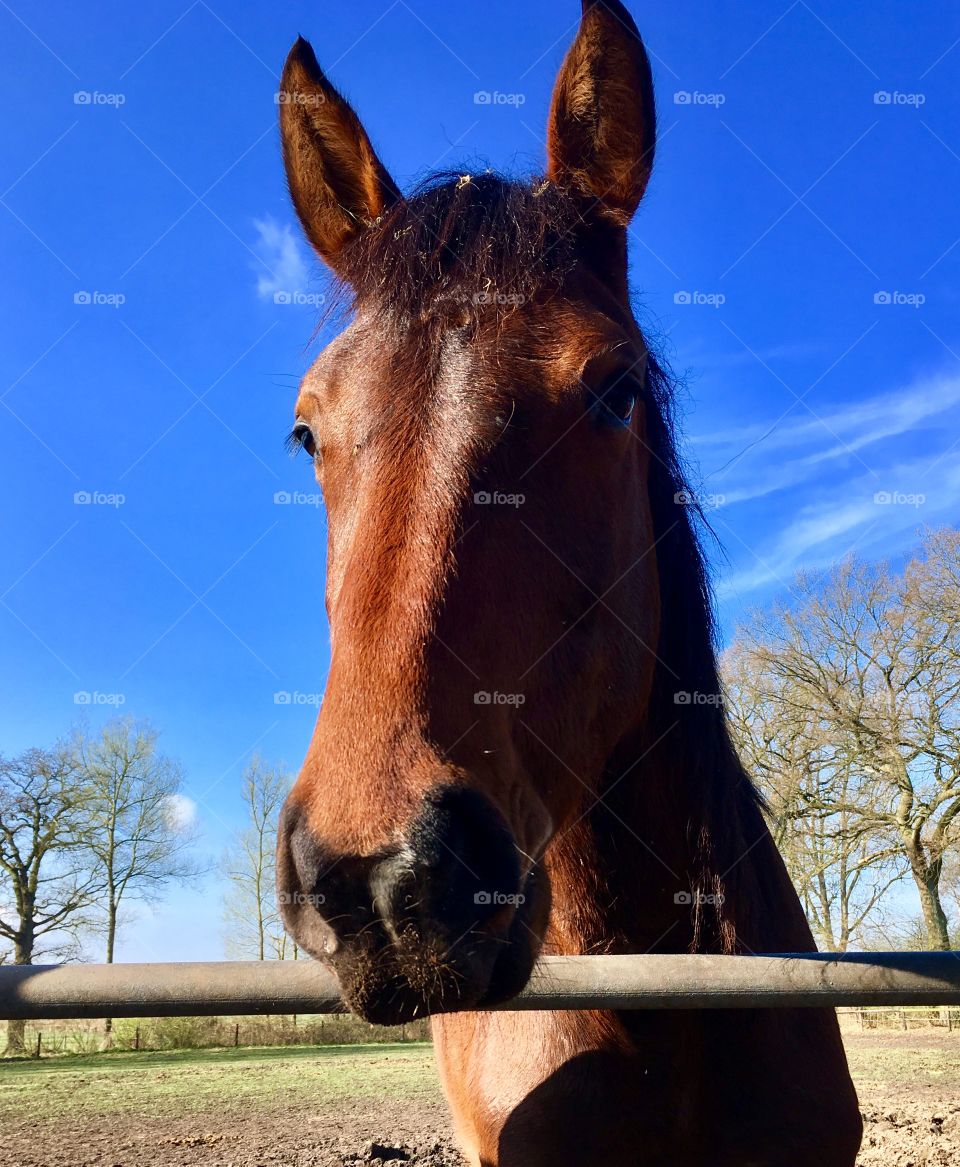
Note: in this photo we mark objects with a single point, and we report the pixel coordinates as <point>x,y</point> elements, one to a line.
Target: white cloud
<point>283,266</point>
<point>813,539</point>
<point>860,477</point>
<point>872,515</point>
<point>705,360</point>
<point>822,436</point>
<point>180,812</point>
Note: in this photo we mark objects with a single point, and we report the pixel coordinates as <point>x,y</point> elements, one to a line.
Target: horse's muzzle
<point>438,922</point>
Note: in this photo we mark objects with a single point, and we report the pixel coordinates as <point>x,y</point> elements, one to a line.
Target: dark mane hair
<point>688,745</point>
<point>450,243</point>
<point>464,242</point>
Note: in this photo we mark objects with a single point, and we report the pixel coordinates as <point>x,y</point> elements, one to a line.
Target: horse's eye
<point>615,406</point>
<point>301,438</point>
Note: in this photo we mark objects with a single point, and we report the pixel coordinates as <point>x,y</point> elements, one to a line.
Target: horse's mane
<point>448,242</point>
<point>455,238</point>
<point>687,751</point>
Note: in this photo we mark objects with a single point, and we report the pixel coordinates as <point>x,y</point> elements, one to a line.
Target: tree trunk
<point>926,875</point>
<point>111,941</point>
<point>17,1030</point>
<point>16,1039</point>
<point>934,917</point>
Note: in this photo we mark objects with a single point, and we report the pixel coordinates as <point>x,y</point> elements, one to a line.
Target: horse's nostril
<point>465,858</point>
<point>456,874</point>
<point>393,890</point>
<point>307,886</point>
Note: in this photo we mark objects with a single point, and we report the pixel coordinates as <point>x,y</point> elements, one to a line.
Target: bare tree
<point>46,886</point>
<point>139,836</point>
<point>840,868</point>
<point>874,656</point>
<point>252,919</point>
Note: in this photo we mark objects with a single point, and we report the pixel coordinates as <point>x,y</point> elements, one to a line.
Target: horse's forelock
<point>464,244</point>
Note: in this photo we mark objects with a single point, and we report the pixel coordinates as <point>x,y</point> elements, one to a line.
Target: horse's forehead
<point>338,356</point>
<point>537,348</point>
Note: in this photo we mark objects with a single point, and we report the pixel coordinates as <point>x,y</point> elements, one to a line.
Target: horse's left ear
<point>602,129</point>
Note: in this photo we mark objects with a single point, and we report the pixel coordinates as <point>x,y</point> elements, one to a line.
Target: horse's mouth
<point>409,978</point>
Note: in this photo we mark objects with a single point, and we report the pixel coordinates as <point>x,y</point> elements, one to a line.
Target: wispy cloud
<point>850,516</point>
<point>706,359</point>
<point>861,477</point>
<point>815,439</point>
<point>281,253</point>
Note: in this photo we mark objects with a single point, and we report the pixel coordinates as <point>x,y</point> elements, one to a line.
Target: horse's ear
<point>338,184</point>
<point>602,128</point>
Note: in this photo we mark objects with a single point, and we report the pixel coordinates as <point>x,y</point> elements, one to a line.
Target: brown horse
<point>521,747</point>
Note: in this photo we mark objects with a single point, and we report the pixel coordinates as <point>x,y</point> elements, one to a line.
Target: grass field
<point>178,1082</point>
<point>316,1105</point>
<point>905,1061</point>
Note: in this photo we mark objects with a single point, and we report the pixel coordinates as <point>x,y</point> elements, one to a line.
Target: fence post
<point>236,1035</point>
<point>39,1039</point>
<point>136,1038</point>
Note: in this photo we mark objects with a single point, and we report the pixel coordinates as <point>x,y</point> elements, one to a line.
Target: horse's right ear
<point>338,184</point>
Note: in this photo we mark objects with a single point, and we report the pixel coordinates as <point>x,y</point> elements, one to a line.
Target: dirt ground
<point>909,1088</point>
<point>347,1107</point>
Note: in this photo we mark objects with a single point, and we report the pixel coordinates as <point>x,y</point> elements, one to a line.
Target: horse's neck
<point>618,886</point>
<point>664,868</point>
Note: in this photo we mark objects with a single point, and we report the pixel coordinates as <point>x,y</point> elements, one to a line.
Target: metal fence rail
<point>802,980</point>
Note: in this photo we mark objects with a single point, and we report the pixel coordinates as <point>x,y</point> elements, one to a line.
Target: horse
<point>521,747</point>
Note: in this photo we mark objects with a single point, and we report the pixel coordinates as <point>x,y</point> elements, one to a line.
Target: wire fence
<point>919,1017</point>
<point>57,1038</point>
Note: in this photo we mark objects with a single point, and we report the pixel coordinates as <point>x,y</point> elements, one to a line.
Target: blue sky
<point>797,256</point>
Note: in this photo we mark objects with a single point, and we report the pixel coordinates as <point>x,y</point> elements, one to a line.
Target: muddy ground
<point>363,1107</point>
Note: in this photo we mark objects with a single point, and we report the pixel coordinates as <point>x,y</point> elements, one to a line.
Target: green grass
<point>903,1066</point>
<point>183,1082</point>
<point>175,1082</point>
